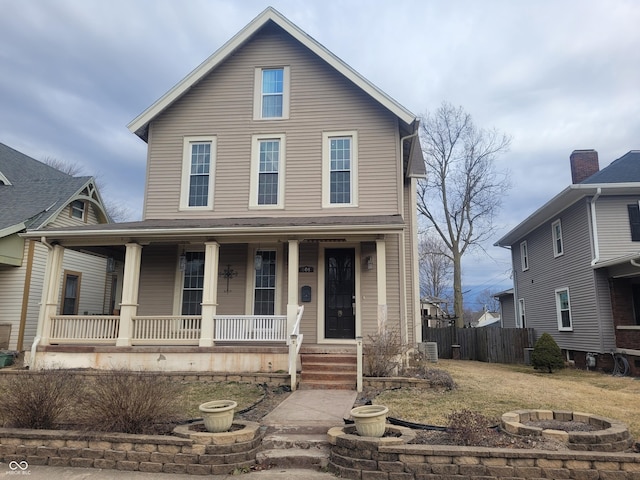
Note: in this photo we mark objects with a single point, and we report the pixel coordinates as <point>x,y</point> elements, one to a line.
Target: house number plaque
<point>305,269</point>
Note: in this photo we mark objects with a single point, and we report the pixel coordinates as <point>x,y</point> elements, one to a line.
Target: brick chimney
<point>584,163</point>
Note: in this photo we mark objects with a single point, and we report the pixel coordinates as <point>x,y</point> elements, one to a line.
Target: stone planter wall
<point>195,454</point>
<point>364,458</point>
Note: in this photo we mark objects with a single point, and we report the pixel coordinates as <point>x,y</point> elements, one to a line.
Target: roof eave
<point>560,202</point>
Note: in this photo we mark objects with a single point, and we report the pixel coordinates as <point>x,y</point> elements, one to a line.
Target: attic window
<point>79,210</point>
<point>271,93</point>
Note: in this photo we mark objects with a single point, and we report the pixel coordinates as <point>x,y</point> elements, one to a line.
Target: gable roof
<point>34,192</point>
<point>621,177</point>
<point>140,124</point>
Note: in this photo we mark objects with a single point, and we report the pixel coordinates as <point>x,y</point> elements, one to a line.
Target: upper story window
<point>558,247</point>
<point>634,221</point>
<point>271,93</point>
<point>524,256</point>
<point>339,169</point>
<point>79,210</point>
<point>563,309</point>
<point>198,167</point>
<point>267,171</point>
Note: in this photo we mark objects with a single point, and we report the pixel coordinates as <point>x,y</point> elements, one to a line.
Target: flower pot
<point>370,420</point>
<point>218,415</point>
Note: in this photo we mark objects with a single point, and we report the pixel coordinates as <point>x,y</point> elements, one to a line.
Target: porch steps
<point>328,371</point>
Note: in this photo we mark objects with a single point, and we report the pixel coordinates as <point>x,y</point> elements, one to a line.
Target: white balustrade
<point>166,330</point>
<point>84,329</point>
<point>251,328</point>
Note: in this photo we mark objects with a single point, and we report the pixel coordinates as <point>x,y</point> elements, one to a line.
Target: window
<point>193,283</point>
<point>520,320</point>
<point>267,171</point>
<point>524,256</point>
<point>340,169</point>
<point>634,222</point>
<point>78,210</point>
<point>271,93</point>
<point>264,298</point>
<point>198,167</point>
<point>71,293</point>
<point>556,229</point>
<point>563,308</point>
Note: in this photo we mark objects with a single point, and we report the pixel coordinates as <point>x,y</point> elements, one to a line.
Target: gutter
<point>596,245</point>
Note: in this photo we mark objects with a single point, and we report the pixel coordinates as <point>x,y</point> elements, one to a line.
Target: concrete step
<point>328,358</point>
<point>310,458</point>
<point>328,376</point>
<point>303,441</point>
<point>327,384</point>
<point>329,367</point>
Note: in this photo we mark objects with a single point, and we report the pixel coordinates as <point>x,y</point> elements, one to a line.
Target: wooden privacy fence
<point>493,345</point>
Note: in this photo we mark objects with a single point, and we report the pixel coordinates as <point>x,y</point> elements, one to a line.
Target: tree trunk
<point>458,307</point>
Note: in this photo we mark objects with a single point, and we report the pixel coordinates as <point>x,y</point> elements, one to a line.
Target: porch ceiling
<point>195,229</point>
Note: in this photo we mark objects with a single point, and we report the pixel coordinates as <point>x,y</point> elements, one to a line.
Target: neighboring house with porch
<point>35,196</point>
<point>576,263</point>
<point>280,209</point>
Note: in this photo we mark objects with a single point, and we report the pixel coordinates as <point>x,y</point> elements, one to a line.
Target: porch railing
<point>179,330</point>
<point>84,329</point>
<point>294,347</point>
<point>268,328</point>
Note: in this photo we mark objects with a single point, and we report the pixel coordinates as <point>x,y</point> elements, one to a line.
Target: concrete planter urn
<point>370,420</point>
<point>218,415</point>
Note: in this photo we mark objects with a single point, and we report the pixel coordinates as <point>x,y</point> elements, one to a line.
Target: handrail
<point>294,347</point>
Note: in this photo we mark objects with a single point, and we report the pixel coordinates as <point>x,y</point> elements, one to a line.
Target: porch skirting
<point>219,358</point>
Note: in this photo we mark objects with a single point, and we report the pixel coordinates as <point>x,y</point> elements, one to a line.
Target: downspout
<point>596,246</point>
<point>36,341</point>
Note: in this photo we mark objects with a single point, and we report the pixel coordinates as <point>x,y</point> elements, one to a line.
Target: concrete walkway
<point>304,412</point>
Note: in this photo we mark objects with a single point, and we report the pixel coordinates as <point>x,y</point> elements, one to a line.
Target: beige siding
<point>369,291</point>
<point>614,232</point>
<point>321,100</point>
<point>64,218</point>
<point>157,280</point>
<point>11,292</point>
<point>308,327</point>
<point>92,283</point>
<point>232,301</point>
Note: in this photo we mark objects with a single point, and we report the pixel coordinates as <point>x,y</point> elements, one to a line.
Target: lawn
<point>493,389</point>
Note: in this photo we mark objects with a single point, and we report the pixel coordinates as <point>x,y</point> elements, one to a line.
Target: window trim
<point>520,320</point>
<point>326,168</point>
<point>634,232</point>
<point>186,171</point>
<point>257,92</point>
<point>559,311</point>
<point>557,238</point>
<point>67,274</point>
<point>250,285</point>
<point>255,171</point>
<point>524,255</point>
<point>83,218</point>
<point>181,283</point>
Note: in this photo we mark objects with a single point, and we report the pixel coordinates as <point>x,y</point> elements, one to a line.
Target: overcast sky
<point>556,75</point>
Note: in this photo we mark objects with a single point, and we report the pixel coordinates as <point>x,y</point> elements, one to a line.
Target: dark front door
<point>340,283</point>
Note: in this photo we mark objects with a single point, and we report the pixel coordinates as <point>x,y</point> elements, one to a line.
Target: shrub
<point>546,354</point>
<point>383,354</point>
<point>130,402</point>
<point>39,399</point>
<point>419,367</point>
<point>468,428</point>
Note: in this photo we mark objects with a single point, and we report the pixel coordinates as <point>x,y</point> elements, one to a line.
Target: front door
<point>340,317</point>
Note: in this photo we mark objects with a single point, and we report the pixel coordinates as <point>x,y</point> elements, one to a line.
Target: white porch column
<point>50,293</point>
<point>292,295</point>
<point>130,285</point>
<point>381,272</point>
<point>209,292</point>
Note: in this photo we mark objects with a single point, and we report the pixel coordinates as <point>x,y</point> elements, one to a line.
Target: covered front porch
<point>233,301</point>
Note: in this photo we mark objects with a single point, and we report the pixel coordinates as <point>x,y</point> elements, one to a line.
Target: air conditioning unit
<point>431,351</point>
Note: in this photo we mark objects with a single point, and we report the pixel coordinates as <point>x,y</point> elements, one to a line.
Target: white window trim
<point>255,171</point>
<point>326,168</point>
<point>250,285</point>
<point>524,256</point>
<point>257,93</point>
<point>186,171</point>
<point>555,239</point>
<point>520,321</point>
<point>559,312</point>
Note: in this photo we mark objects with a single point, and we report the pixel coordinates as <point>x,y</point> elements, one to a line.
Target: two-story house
<point>576,263</point>
<point>35,196</point>
<point>279,208</point>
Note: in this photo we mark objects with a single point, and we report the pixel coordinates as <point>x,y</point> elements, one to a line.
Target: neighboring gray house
<point>34,196</point>
<point>576,263</point>
<point>508,311</point>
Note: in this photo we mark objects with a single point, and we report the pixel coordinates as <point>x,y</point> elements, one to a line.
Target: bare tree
<point>463,190</point>
<point>73,169</point>
<point>436,268</point>
<point>486,301</point>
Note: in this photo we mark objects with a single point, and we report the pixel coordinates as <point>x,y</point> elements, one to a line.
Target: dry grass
<point>493,389</point>
<point>195,393</point>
